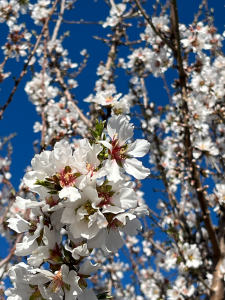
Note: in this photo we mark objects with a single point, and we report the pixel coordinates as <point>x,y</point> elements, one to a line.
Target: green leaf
<point>99,127</point>
<point>95,135</point>
<point>103,296</point>
<point>53,192</point>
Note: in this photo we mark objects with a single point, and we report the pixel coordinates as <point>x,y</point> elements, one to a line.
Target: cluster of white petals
<point>84,196</point>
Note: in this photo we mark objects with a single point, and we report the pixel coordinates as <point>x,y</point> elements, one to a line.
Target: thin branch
<point>144,91</point>
<point>69,97</point>
<point>195,174</point>
<point>152,26</point>
<point>82,22</point>
<point>43,97</point>
<point>157,246</point>
<point>24,71</point>
<point>5,59</point>
<point>11,253</point>
<point>167,89</point>
<point>6,139</point>
<point>59,21</point>
<point>106,1</point>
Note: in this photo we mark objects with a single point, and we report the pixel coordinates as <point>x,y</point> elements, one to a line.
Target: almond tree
<point>79,225</point>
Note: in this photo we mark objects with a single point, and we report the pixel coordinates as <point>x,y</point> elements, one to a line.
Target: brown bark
<point>217,242</point>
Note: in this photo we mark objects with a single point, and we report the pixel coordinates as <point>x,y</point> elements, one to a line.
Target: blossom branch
<point>24,71</point>
<point>195,173</point>
<point>69,97</point>
<point>152,26</point>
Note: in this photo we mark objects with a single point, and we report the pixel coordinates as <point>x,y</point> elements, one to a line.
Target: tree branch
<point>195,174</point>
<point>151,24</point>
<point>24,71</point>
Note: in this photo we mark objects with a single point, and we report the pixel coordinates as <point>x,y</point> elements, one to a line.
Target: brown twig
<point>157,246</point>
<point>19,237</point>
<point>82,22</point>
<point>8,257</point>
<point>6,139</point>
<point>144,91</point>
<point>152,26</point>
<point>59,21</point>
<point>167,89</point>
<point>24,71</point>
<point>5,60</point>
<point>43,97</point>
<point>69,96</point>
<point>194,173</point>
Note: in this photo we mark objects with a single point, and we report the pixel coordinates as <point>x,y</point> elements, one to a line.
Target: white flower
<point>205,146</point>
<point>118,9</point>
<point>29,242</point>
<point>121,153</point>
<point>111,21</point>
<point>192,255</point>
<point>105,98</point>
<point>51,239</point>
<point>78,252</point>
<point>58,166</point>
<point>87,294</point>
<point>83,214</point>
<point>18,224</point>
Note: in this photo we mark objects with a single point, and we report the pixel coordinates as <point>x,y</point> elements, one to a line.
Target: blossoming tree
<point>79,225</point>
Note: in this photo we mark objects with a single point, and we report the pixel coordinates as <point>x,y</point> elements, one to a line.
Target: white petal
<point>87,268</point>
<point>125,198</point>
<point>18,224</point>
<point>139,148</point>
<point>113,170</point>
<point>87,294</point>
<point>70,192</point>
<point>27,203</point>
<point>135,168</point>
<point>106,144</point>
<point>114,240</point>
<point>132,227</point>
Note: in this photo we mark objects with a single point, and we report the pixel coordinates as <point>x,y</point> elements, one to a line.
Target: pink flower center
<point>56,283</point>
<point>66,178</point>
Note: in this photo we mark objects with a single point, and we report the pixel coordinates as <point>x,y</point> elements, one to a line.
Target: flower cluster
<point>85,203</point>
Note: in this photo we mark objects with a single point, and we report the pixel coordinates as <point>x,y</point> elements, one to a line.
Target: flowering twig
<point>152,26</point>
<point>24,71</point>
<point>69,97</point>
<point>195,174</point>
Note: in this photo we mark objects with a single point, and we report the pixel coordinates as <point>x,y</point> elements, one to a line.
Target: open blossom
<point>205,146</point>
<point>192,255</point>
<point>106,98</point>
<point>52,165</point>
<point>220,192</point>
<point>63,284</point>
<point>63,281</point>
<point>29,242</point>
<point>122,154</point>
<point>77,198</point>
<point>180,290</point>
<point>85,217</point>
<point>34,88</point>
<point>116,11</point>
